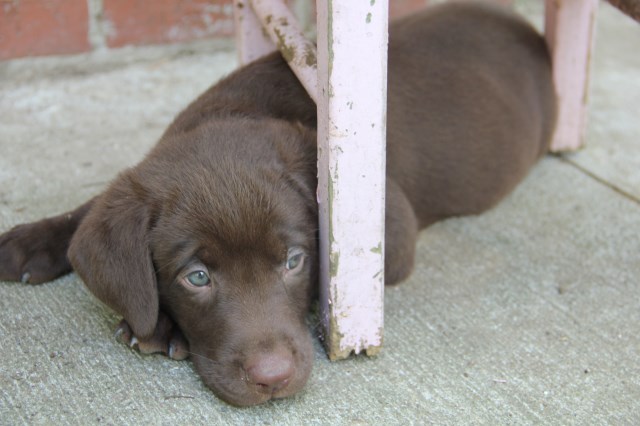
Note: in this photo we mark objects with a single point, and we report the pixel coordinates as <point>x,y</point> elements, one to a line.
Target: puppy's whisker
<point>163,267</point>
<point>203,357</point>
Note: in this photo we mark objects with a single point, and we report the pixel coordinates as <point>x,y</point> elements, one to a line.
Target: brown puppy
<point>212,237</point>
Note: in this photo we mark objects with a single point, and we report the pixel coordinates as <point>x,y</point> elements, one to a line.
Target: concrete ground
<point>528,314</point>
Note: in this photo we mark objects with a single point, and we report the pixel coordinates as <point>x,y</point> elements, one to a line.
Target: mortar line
<point>602,181</point>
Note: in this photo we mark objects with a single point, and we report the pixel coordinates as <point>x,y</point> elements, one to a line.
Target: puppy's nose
<point>270,372</point>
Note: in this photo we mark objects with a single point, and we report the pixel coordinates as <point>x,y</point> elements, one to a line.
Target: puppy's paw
<point>167,339</point>
<point>35,252</point>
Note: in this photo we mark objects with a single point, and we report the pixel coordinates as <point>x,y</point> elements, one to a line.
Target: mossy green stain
<point>334,264</point>
<point>333,338</point>
<point>330,211</point>
<point>369,18</point>
<point>310,57</point>
<point>288,52</point>
<point>334,256</point>
<point>377,249</point>
<point>330,42</point>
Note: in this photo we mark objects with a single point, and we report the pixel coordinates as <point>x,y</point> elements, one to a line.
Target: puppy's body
<point>215,230</point>
<point>470,110</point>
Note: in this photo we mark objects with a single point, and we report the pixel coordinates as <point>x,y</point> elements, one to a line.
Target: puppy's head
<point>217,228</point>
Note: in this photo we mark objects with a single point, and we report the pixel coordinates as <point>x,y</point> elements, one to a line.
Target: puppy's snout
<point>270,372</point>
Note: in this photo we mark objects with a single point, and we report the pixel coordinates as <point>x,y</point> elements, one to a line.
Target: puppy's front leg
<point>167,338</point>
<point>401,229</point>
<point>37,252</point>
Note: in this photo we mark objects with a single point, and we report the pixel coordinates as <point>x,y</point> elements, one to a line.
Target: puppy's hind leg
<point>37,252</point>
<point>401,229</point>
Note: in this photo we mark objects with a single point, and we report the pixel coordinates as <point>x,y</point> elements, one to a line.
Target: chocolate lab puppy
<point>208,247</point>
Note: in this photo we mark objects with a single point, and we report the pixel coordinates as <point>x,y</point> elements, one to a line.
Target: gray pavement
<point>528,314</point>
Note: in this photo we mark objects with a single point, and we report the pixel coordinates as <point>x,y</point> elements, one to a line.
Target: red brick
<point>43,27</point>
<point>162,21</point>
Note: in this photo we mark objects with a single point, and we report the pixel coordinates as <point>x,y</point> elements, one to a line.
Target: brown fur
<point>230,190</point>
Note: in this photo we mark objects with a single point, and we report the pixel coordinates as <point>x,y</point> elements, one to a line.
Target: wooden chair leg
<point>281,26</point>
<point>570,33</point>
<point>352,57</point>
<point>251,40</point>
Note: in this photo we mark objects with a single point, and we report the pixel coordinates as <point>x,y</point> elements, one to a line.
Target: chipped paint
<point>252,40</point>
<point>310,58</point>
<point>374,350</point>
<point>285,32</point>
<point>334,335</point>
<point>331,196</point>
<point>288,51</point>
<point>334,263</point>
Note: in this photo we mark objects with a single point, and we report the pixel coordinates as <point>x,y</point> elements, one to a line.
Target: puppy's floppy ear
<point>110,251</point>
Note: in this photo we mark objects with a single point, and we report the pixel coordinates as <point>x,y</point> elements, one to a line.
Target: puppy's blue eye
<point>198,278</point>
<point>294,260</point>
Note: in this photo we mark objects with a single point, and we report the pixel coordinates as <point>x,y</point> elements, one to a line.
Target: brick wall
<point>57,27</point>
<point>33,27</point>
